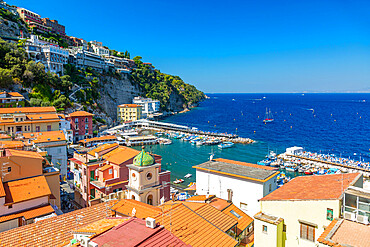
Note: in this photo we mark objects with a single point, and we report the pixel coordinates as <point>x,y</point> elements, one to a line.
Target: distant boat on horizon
<point>268,117</point>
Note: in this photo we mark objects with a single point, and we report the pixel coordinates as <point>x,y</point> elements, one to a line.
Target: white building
<point>294,151</point>
<point>247,182</point>
<point>304,207</point>
<point>149,105</point>
<point>83,59</point>
<point>99,49</point>
<point>48,53</point>
<point>65,126</point>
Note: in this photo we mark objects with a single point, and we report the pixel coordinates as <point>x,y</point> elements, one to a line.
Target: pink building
<point>81,125</point>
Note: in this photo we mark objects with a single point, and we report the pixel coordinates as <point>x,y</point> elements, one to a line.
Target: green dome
<point>143,159</point>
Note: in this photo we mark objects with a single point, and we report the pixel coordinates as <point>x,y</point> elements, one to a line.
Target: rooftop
<point>318,187</point>
<point>48,136</point>
<point>26,189</point>
<point>54,231</point>
<point>100,226</point>
<point>101,138</point>
<point>129,106</point>
<point>136,233</point>
<point>102,148</point>
<point>27,110</point>
<point>223,221</point>
<point>25,154</point>
<point>268,218</point>
<point>81,114</point>
<point>121,155</point>
<point>239,169</point>
<point>243,219</point>
<point>345,233</point>
<point>29,214</point>
<point>11,144</point>
<point>142,210</point>
<point>192,228</point>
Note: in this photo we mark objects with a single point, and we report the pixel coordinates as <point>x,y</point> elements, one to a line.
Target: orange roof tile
<point>121,155</point>
<point>2,191</point>
<point>103,168</point>
<point>219,203</point>
<point>143,210</point>
<point>129,105</point>
<point>43,117</point>
<point>317,187</point>
<point>191,228</point>
<point>170,204</point>
<point>15,94</point>
<point>101,226</point>
<point>102,148</point>
<point>29,214</point>
<point>27,154</point>
<point>55,231</point>
<point>11,144</point>
<point>26,189</point>
<point>101,138</point>
<point>48,136</point>
<point>216,217</point>
<point>27,110</point>
<point>200,198</point>
<point>5,136</point>
<point>81,114</point>
<point>244,220</point>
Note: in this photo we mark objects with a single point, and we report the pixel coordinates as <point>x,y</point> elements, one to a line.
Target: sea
<point>336,124</point>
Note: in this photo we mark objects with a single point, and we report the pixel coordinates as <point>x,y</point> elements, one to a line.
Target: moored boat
<point>226,145</point>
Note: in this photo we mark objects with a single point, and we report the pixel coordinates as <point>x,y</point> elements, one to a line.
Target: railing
<point>93,179</point>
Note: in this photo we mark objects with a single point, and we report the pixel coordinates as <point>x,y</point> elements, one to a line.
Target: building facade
<point>99,49</point>
<point>11,99</point>
<point>81,125</point>
<point>54,26</point>
<point>149,105</point>
<point>129,112</point>
<point>33,20</point>
<point>243,182</point>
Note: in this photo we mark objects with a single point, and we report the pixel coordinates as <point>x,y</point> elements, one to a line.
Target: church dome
<point>143,159</point>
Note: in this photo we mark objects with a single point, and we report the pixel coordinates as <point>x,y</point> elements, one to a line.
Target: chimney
<point>229,195</point>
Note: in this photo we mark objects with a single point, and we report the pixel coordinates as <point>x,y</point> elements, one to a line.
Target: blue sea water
<point>327,123</point>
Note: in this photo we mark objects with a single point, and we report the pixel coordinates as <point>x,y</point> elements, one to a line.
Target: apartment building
<point>149,105</point>
<point>33,20</point>
<point>55,26</point>
<point>82,59</point>
<point>11,99</point>
<point>129,112</point>
<point>28,119</point>
<point>77,42</point>
<point>99,49</point>
<point>81,125</point>
<point>297,213</point>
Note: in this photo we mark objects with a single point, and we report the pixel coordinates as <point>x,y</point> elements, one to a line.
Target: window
<point>235,214</point>
<point>49,128</point>
<point>264,228</point>
<point>37,128</point>
<point>284,228</point>
<point>76,120</point>
<point>25,128</point>
<point>86,120</point>
<point>9,169</point>
<point>270,187</point>
<point>18,128</point>
<point>110,171</point>
<point>10,206</point>
<point>307,232</point>
<point>149,176</point>
<point>329,214</point>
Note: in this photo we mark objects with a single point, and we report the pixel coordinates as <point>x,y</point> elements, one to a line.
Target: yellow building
<point>28,119</point>
<point>129,112</point>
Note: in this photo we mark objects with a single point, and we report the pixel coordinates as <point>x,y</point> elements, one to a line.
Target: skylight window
<point>235,214</point>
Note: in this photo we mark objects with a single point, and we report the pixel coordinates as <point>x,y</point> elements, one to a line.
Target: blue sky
<point>232,46</point>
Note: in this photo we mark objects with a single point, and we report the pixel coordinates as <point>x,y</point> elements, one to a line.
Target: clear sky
<point>232,46</point>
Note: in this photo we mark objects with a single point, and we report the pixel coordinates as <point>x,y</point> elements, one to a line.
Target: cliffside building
<point>149,105</point>
<point>99,49</point>
<point>129,112</point>
<point>33,20</point>
<point>54,26</point>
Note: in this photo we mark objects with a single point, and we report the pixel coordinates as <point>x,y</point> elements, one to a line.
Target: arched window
<point>149,200</point>
<point>133,197</point>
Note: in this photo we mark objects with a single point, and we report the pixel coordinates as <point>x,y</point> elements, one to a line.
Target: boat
<point>178,181</point>
<point>291,168</point>
<point>268,117</point>
<point>271,156</point>
<point>226,145</point>
<point>265,162</point>
<point>188,175</point>
<point>308,172</point>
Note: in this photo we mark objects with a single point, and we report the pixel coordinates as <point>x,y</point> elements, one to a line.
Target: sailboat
<point>268,118</point>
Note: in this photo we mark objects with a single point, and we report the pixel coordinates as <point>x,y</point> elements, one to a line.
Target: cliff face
<point>12,29</point>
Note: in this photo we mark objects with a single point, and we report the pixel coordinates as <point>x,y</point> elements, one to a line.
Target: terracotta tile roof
<point>200,198</point>
<point>5,136</point>
<point>21,153</point>
<point>2,191</point>
<point>43,116</point>
<point>129,105</point>
<point>15,94</point>
<point>102,148</point>
<point>243,219</point>
<point>27,110</point>
<point>192,228</point>
<point>216,217</point>
<point>101,138</point>
<point>346,233</point>
<point>317,187</point>
<point>81,114</point>
<point>171,204</point>
<point>135,233</point>
<point>26,189</point>
<point>103,168</point>
<point>143,210</point>
<point>120,155</point>
<point>219,203</point>
<point>55,231</point>
<point>48,136</point>
<point>29,214</point>
<point>76,161</point>
<point>11,144</point>
<point>101,226</point>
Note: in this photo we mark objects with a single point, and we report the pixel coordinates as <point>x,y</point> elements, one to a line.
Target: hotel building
<point>129,112</point>
<point>149,105</point>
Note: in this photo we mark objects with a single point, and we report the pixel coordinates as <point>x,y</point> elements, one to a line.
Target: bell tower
<point>144,182</point>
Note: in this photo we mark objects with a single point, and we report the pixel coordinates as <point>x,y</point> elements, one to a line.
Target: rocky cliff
<point>12,29</point>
